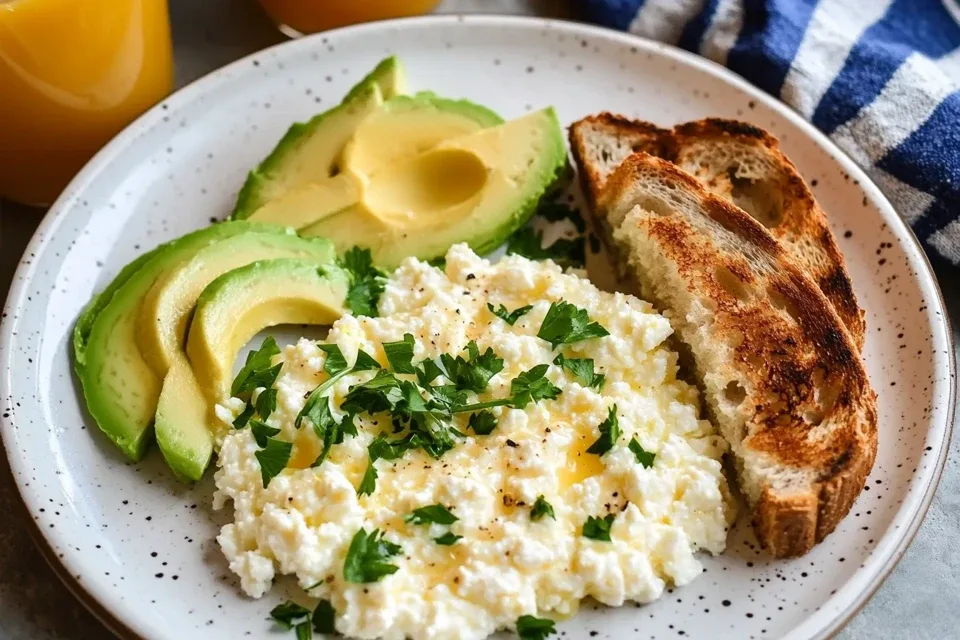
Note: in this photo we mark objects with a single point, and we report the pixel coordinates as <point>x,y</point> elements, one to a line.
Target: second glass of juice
<point>298,17</point>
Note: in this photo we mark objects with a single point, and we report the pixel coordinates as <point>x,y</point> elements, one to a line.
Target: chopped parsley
<point>583,370</point>
<point>529,386</point>
<point>529,244</point>
<point>532,386</point>
<point>598,528</point>
<point>336,367</point>
<point>643,456</point>
<point>428,371</point>
<point>368,484</point>
<point>609,433</point>
<point>483,423</point>
<point>241,420</point>
<point>267,402</point>
<point>510,317</point>
<point>261,431</point>
<point>566,324</point>
<point>534,628</point>
<point>326,428</point>
<point>324,617</point>
<point>541,508</point>
<point>435,513</point>
<point>366,282</point>
<point>290,614</point>
<point>447,539</point>
<point>367,557</point>
<point>257,370</point>
<point>273,459</point>
<point>303,631</point>
<point>380,393</point>
<point>473,373</point>
<point>400,354</point>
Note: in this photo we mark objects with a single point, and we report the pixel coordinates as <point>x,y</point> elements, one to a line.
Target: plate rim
<point>115,614</point>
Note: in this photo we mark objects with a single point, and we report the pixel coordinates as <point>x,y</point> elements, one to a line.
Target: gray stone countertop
<point>920,599</point>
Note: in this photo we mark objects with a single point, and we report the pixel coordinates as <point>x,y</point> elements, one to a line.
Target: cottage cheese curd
<point>506,565</point>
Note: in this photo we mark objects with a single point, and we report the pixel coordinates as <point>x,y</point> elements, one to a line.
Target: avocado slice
<point>409,125</point>
<point>389,76</point>
<point>120,388</point>
<point>402,127</point>
<point>242,302</point>
<point>166,308</point>
<point>182,425</point>
<point>309,151</point>
<point>478,188</point>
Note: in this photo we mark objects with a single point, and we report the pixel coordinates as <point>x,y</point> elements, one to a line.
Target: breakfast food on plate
<point>476,445</point>
<point>309,151</point>
<point>511,440</point>
<point>781,376</point>
<point>742,164</point>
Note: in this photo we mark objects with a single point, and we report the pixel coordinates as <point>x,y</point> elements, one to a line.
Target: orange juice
<point>72,74</point>
<point>310,16</point>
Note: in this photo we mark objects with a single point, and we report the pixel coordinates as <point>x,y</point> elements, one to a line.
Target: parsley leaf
<point>303,631</point>
<point>366,557</point>
<point>335,361</point>
<point>326,427</point>
<point>336,366</point>
<point>381,448</point>
<point>483,423</point>
<point>261,431</point>
<point>257,370</point>
<point>558,211</point>
<point>428,371</point>
<point>323,618</point>
<point>533,628</point>
<point>474,373</point>
<point>510,317</point>
<point>531,386</point>
<point>582,369</point>
<point>565,324</point>
<point>448,396</point>
<point>400,354</point>
<point>266,402</point>
<point>598,528</point>
<point>380,393</point>
<point>541,508</point>
<point>369,482</point>
<point>447,539</point>
<point>436,513</point>
<point>529,244</point>
<point>273,459</point>
<point>366,282</point>
<point>289,614</point>
<point>609,433</point>
<point>241,420</point>
<point>643,456</point>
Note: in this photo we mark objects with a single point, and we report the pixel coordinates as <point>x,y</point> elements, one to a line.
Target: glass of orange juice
<point>72,74</point>
<point>297,17</point>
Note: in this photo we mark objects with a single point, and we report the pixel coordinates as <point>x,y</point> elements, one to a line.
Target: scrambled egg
<point>506,564</point>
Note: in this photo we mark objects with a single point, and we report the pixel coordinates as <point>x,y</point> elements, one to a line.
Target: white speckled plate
<point>138,546</point>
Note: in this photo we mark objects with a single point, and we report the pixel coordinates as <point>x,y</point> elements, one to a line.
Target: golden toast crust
<point>802,225</point>
<point>808,403</point>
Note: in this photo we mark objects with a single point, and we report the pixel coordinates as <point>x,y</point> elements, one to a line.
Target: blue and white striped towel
<point>880,77</point>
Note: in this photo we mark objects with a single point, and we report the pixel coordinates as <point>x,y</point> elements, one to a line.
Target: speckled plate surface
<point>138,547</point>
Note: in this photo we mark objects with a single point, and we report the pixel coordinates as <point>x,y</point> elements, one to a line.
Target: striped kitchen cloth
<point>880,77</point>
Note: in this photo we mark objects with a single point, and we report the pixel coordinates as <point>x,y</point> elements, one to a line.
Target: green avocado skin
<point>387,80</point>
<point>120,389</point>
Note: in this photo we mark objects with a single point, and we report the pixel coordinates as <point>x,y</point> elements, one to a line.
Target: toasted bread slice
<point>744,165</point>
<point>781,375</point>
